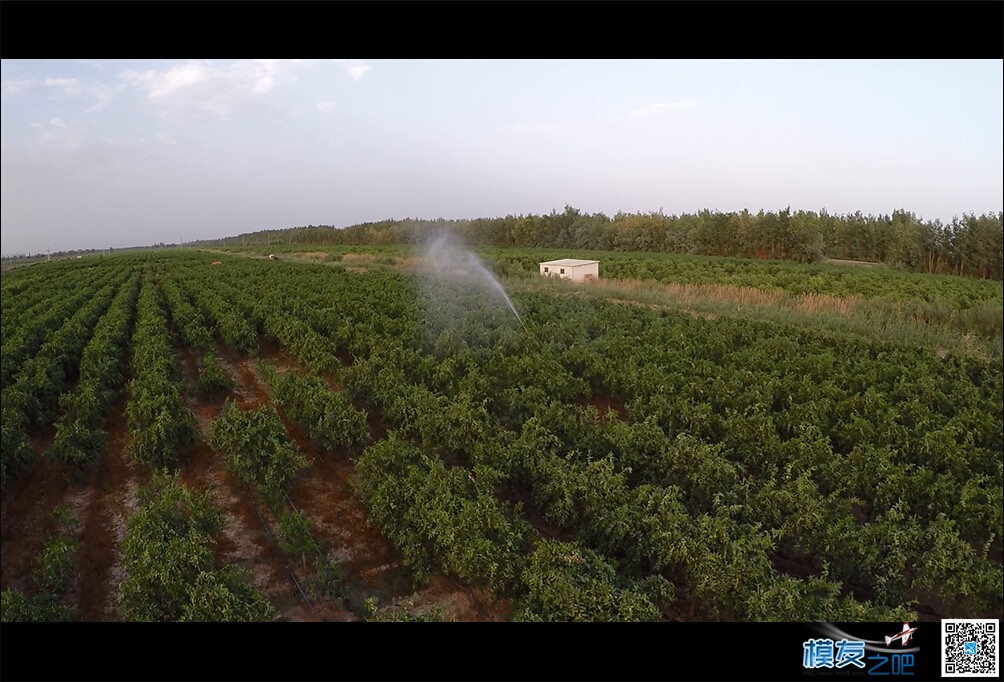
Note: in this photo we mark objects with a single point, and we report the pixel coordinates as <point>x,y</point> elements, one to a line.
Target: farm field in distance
<point>341,435</point>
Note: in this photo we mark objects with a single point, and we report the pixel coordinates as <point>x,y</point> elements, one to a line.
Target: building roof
<point>569,262</point>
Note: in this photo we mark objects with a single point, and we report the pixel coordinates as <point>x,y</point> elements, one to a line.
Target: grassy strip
<point>976,331</point>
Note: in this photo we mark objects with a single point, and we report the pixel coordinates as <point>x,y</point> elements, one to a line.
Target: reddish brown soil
<point>104,503</point>
<point>103,496</point>
<point>277,357</point>
<point>99,498</point>
<point>325,495</point>
<point>378,429</point>
<point>26,520</point>
<point>603,404</point>
<point>245,539</point>
<point>521,496</point>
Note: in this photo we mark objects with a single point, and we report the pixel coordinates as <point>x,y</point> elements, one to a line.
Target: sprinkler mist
<point>446,257</point>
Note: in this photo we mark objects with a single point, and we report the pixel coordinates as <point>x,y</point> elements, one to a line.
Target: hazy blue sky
<point>122,152</point>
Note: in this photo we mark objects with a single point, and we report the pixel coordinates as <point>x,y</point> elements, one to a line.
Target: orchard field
<point>340,434</point>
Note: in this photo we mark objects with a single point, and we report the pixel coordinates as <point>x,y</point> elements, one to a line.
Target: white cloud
<point>530,128</point>
<point>354,67</point>
<point>56,135</point>
<point>61,88</point>
<point>264,84</point>
<point>15,87</point>
<point>661,108</point>
<point>264,72</point>
<point>56,145</point>
<point>67,145</point>
<point>164,84</point>
<point>209,90</point>
<point>102,95</point>
<point>69,86</point>
<point>100,66</point>
<point>326,107</point>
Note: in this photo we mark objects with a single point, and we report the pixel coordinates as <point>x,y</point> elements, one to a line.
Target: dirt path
<point>99,499</point>
<point>252,393</point>
<point>104,504</point>
<point>102,498</point>
<point>244,539</point>
<point>373,567</point>
<point>26,516</point>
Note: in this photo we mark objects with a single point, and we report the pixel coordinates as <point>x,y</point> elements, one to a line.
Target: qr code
<point>970,648</point>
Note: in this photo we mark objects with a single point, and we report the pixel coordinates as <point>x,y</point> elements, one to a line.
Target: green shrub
<point>329,578</point>
<point>295,534</point>
<point>56,565</point>
<point>15,607</point>
<point>225,595</point>
<point>213,382</point>
<point>258,450</point>
<point>568,582</point>
<point>169,563</point>
<point>402,613</point>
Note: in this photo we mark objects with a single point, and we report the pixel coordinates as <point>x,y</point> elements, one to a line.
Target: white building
<point>571,268</point>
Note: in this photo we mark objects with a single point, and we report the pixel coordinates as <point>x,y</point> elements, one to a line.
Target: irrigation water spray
<point>446,258</point>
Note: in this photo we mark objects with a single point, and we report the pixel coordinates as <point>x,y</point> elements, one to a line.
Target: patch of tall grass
<point>936,324</point>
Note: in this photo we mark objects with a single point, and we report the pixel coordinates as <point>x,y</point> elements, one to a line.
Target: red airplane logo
<point>904,636</point>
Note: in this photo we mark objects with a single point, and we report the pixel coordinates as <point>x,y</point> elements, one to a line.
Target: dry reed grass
<point>687,294</point>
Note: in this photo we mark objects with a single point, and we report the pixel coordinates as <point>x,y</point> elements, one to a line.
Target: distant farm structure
<point>571,268</point>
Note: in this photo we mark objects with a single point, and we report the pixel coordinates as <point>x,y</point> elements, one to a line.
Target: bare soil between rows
<point>102,496</point>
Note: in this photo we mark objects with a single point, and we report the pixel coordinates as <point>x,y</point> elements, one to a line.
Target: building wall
<point>577,273</point>
<point>583,272</point>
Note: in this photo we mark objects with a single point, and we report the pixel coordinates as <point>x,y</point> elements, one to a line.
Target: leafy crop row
<point>233,328</point>
<point>740,448</point>
<point>159,422</point>
<point>170,570</point>
<point>80,436</point>
<point>258,450</point>
<point>327,416</point>
<point>31,401</point>
<point>617,461</point>
<point>40,322</point>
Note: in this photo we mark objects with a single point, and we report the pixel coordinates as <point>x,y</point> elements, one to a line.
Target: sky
<point>116,153</point>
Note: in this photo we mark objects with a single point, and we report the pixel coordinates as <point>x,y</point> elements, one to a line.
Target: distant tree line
<point>970,245</point>
<point>22,258</point>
